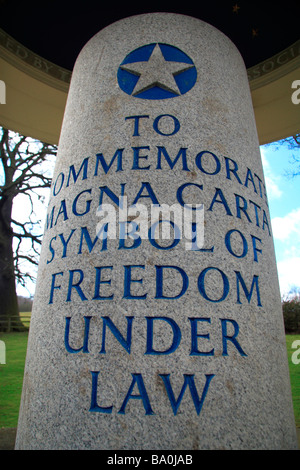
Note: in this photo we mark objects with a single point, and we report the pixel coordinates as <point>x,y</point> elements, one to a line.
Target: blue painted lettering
<point>255,249</point>
<point>265,222</point>
<point>150,195</point>
<point>117,200</point>
<point>87,203</point>
<point>172,163</point>
<point>180,191</point>
<point>159,282</point>
<point>201,284</point>
<point>125,343</point>
<point>175,122</point>
<point>222,200</point>
<point>51,250</point>
<point>132,234</point>
<point>56,190</point>
<point>137,157</point>
<point>98,282</point>
<point>217,163</point>
<point>62,210</point>
<point>233,170</point>
<point>153,241</point>
<point>195,335</point>
<point>75,285</point>
<point>84,347</point>
<point>90,244</point>
<point>53,286</point>
<point>188,382</point>
<point>248,294</point>
<point>232,338</point>
<point>137,379</point>
<point>65,242</point>
<point>106,167</point>
<point>84,167</point>
<point>249,177</point>
<point>229,247</point>
<point>239,208</point>
<point>94,405</point>
<point>256,207</point>
<point>176,335</point>
<point>128,281</point>
<point>136,122</point>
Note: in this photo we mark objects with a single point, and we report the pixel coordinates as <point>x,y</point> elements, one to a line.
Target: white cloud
<point>289,274</point>
<point>286,232</point>
<point>273,190</point>
<point>287,226</point>
<point>272,181</point>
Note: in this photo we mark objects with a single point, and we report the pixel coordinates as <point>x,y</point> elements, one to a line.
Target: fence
<point>10,323</point>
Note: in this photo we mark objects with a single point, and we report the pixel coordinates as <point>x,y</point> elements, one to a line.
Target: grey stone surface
<point>205,368</point>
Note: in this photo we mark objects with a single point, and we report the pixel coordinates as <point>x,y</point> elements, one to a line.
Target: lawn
<point>11,377</point>
<point>294,375</point>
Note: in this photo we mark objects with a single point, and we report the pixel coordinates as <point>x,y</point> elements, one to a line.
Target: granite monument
<point>157,319</point>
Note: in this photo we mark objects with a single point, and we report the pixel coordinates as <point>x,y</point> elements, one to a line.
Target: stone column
<point>138,341</point>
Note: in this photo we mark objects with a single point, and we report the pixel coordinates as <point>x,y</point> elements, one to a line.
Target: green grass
<point>25,317</point>
<point>11,377</point>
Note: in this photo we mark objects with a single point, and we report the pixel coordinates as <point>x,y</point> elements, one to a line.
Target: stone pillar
<point>142,342</point>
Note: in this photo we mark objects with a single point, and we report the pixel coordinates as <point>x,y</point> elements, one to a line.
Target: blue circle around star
<point>157,71</point>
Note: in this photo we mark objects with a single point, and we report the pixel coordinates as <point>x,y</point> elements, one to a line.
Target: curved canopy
<point>39,44</point>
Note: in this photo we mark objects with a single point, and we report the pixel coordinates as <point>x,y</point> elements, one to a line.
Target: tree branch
<point>27,167</point>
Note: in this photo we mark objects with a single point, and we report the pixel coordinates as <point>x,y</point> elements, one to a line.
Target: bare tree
<point>292,143</point>
<point>24,172</point>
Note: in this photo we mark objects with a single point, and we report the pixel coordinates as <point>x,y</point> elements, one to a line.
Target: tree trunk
<point>8,296</point>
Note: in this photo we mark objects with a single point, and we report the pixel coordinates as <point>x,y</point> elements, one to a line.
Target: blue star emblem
<point>157,71</point>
